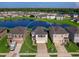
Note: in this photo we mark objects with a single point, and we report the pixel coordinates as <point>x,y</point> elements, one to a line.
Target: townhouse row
<point>74,17</point>
<point>40,35</point>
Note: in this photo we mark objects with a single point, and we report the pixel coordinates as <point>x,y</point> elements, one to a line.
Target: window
<point>41,35</point>
<point>65,37</point>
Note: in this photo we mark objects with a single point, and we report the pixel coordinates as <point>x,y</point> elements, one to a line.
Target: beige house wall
<point>60,38</point>
<point>41,39</point>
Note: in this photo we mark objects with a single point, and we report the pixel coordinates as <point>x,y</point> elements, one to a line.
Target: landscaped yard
<point>27,46</point>
<point>53,55</point>
<point>75,55</point>
<point>51,47</point>
<point>4,45</point>
<point>27,55</point>
<point>2,55</point>
<point>72,47</point>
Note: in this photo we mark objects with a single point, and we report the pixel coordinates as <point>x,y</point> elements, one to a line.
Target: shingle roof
<point>39,30</point>
<point>18,30</point>
<point>57,30</point>
<point>73,29</point>
<point>2,29</point>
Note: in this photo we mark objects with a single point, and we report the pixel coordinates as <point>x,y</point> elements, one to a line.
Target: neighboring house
<point>59,34</point>
<point>48,16</point>
<point>75,15</point>
<point>76,20</point>
<point>39,35</point>
<point>51,16</point>
<point>59,17</point>
<point>41,16</point>
<point>66,15</point>
<point>17,34</point>
<point>3,32</point>
<point>73,34</point>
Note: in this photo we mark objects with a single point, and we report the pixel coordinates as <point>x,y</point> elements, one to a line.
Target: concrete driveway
<point>42,50</point>
<point>15,53</point>
<point>61,50</point>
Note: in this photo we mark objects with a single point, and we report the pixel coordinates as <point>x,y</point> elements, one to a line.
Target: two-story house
<point>59,34</point>
<point>39,35</point>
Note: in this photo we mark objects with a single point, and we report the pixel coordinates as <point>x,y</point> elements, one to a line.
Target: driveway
<point>61,50</point>
<point>42,50</point>
<point>15,53</point>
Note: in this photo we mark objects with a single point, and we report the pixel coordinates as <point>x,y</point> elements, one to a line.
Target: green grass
<point>2,55</point>
<point>53,55</point>
<point>51,47</point>
<point>27,55</point>
<point>75,55</point>
<point>72,47</point>
<point>4,45</point>
<point>27,46</point>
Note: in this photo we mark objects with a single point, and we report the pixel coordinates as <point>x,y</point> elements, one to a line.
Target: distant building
<point>76,20</point>
<point>59,34</point>
<point>39,35</point>
<point>59,17</point>
<point>48,16</point>
<point>51,16</point>
<point>73,34</point>
<point>75,15</point>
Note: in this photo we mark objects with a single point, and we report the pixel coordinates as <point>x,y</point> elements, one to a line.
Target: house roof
<point>57,30</point>
<point>59,15</point>
<point>39,30</point>
<point>2,29</point>
<point>18,30</point>
<point>73,29</point>
<point>42,15</point>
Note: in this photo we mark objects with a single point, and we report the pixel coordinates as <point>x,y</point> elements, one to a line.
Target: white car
<point>12,46</point>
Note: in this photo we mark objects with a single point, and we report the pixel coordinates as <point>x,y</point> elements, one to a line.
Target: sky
<point>39,4</point>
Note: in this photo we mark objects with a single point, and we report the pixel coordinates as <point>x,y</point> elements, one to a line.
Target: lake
<point>27,23</point>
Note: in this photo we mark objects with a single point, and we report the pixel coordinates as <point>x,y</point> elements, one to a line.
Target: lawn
<point>75,55</point>
<point>72,47</point>
<point>4,45</point>
<point>2,55</point>
<point>27,46</point>
<point>51,47</point>
<point>27,55</point>
<point>53,55</point>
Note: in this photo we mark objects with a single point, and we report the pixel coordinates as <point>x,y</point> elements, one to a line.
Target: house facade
<point>17,34</point>
<point>59,17</point>
<point>51,16</point>
<point>73,34</point>
<point>58,34</point>
<point>39,35</point>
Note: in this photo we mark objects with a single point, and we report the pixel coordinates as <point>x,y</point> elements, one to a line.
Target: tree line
<point>50,10</point>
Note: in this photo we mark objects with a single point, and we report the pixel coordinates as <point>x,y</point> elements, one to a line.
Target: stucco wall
<point>41,39</point>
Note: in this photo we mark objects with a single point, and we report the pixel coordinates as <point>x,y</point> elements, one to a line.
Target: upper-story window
<point>41,35</point>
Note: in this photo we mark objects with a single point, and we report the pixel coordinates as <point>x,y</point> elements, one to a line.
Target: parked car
<point>13,46</point>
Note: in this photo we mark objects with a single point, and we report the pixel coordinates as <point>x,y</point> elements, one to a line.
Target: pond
<point>27,23</point>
